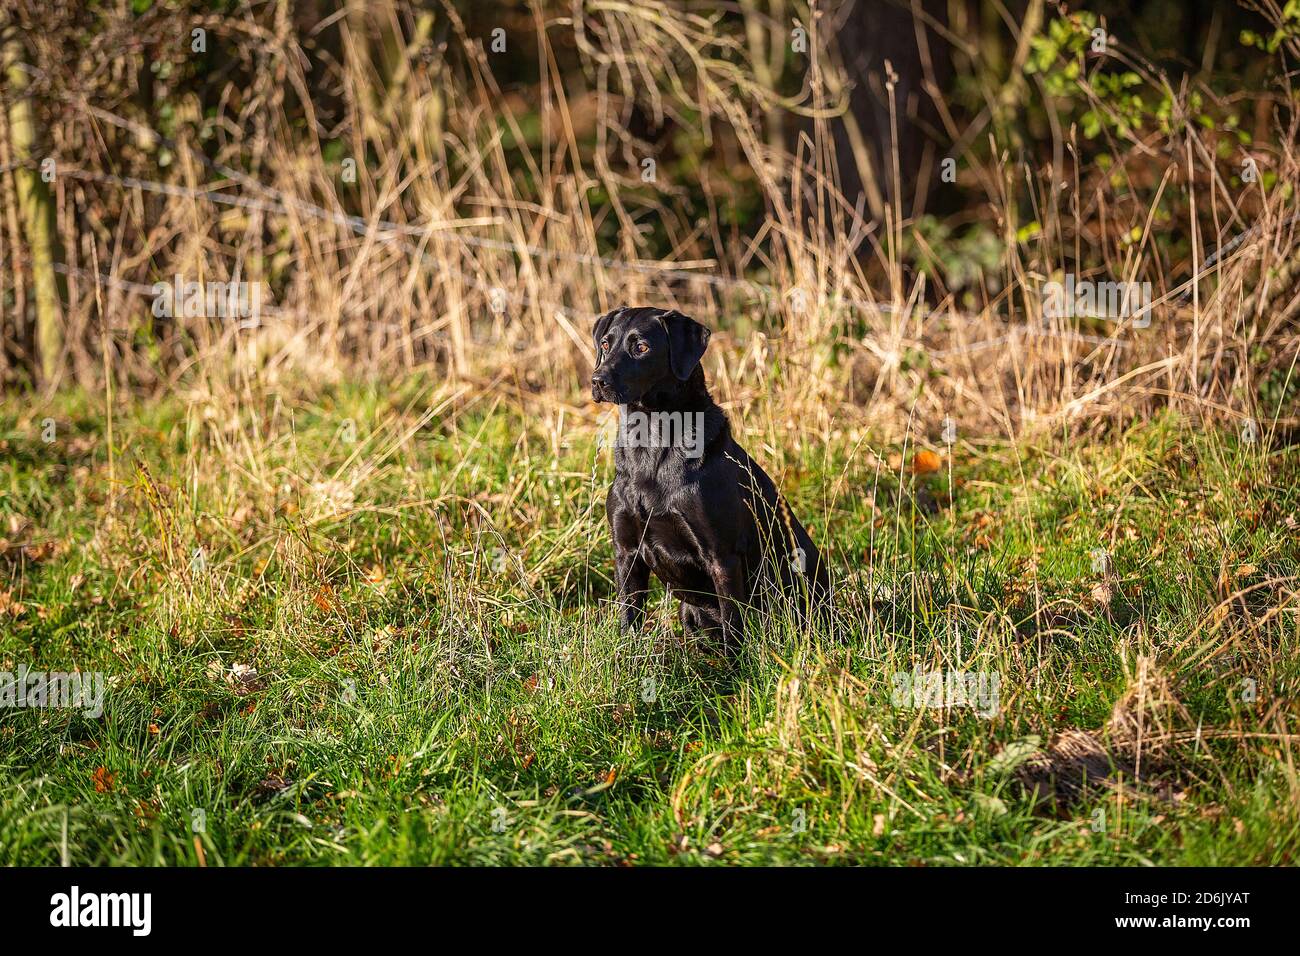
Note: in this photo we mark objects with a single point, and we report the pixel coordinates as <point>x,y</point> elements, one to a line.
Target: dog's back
<point>786,555</point>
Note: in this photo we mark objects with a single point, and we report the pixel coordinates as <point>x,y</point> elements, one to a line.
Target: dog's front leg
<point>633,585</point>
<point>729,583</point>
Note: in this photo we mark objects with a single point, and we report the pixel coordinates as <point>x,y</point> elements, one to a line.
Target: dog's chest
<point>661,513</point>
<point>650,503</point>
<point>648,480</point>
<point>671,549</point>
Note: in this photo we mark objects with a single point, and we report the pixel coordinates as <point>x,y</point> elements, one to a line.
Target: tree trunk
<point>36,210</point>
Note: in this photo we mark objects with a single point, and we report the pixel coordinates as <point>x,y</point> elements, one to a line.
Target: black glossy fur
<point>711,527</point>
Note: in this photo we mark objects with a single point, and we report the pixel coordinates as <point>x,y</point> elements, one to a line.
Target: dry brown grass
<point>399,270</point>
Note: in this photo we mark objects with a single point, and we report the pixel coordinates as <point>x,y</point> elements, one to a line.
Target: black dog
<point>696,511</point>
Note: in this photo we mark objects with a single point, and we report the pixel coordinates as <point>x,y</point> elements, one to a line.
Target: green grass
<point>420,697</point>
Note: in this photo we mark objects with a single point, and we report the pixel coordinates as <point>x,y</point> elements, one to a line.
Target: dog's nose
<point>598,380</point>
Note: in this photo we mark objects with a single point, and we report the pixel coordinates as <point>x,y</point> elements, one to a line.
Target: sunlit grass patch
<point>417,663</point>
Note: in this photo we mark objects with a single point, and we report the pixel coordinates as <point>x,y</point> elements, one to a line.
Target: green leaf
<point>1015,753</point>
<point>990,805</point>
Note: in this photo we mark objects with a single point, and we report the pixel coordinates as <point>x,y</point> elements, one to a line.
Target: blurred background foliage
<point>699,133</point>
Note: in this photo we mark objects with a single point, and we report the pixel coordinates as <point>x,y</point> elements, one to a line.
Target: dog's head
<point>642,350</point>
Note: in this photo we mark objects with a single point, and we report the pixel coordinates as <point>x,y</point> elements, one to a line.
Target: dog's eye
<point>604,346</point>
<point>640,348</point>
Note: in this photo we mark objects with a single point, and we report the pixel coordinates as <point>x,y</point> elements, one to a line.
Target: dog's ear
<point>687,340</point>
<point>602,326</point>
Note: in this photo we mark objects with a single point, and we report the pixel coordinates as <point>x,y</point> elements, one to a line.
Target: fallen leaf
<point>103,780</point>
<point>273,783</point>
<point>243,679</point>
<point>324,599</point>
<point>925,462</point>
